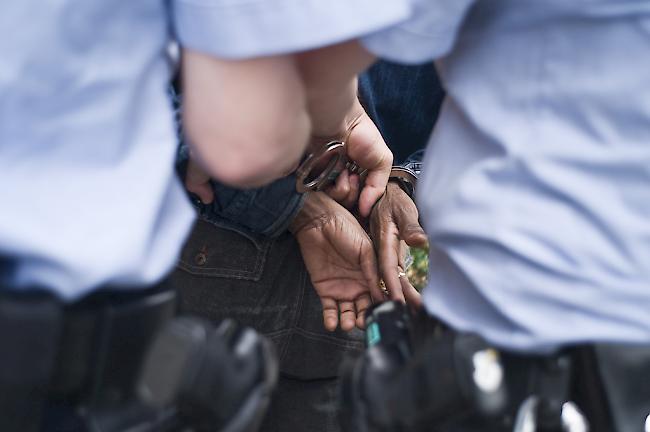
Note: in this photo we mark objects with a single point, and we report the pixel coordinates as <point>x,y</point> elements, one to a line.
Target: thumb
<point>410,229</point>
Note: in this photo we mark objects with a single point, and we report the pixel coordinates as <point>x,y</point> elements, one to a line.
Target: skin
<point>250,121</point>
<point>318,90</point>
<point>246,120</point>
<point>340,258</point>
<point>393,222</point>
<point>330,81</point>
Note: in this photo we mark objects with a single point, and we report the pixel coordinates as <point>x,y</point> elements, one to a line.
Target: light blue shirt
<point>88,196</point>
<point>251,28</point>
<point>536,186</point>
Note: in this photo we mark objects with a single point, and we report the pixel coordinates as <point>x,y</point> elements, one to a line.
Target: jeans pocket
<point>223,253</point>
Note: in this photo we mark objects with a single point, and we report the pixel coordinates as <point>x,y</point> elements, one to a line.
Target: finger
<point>330,313</point>
<point>198,182</point>
<point>393,284</point>
<point>414,235</point>
<point>203,191</point>
<point>370,271</point>
<point>389,254</point>
<point>369,150</point>
<point>353,194</point>
<point>406,217</point>
<point>373,188</point>
<point>376,293</point>
<point>411,295</point>
<point>362,303</point>
<point>348,315</point>
<point>349,185</point>
<point>341,188</point>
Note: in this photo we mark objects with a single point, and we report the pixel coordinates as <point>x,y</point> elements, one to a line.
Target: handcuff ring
<point>334,155</point>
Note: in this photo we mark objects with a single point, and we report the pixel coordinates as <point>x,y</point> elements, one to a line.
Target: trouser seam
<point>329,339</point>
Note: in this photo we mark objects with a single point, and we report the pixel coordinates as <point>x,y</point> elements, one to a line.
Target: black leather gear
<point>218,378</point>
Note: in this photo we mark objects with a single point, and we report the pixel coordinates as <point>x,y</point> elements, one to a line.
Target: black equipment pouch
<point>119,360</point>
<point>218,378</point>
<point>612,383</point>
<point>29,334</point>
<point>415,374</point>
<point>74,366</point>
<point>418,375</point>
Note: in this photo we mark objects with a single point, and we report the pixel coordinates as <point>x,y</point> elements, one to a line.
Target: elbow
<point>249,157</point>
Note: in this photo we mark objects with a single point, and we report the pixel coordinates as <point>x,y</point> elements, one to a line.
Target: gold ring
<point>382,285</point>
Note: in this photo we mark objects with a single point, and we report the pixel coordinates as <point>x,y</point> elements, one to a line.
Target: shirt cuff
<point>428,34</point>
<point>238,29</point>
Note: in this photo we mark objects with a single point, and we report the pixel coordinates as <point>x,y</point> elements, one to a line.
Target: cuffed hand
<point>393,222</point>
<point>340,260</point>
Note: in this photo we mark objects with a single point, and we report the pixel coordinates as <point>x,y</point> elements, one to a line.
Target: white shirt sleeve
<point>428,34</point>
<point>251,28</point>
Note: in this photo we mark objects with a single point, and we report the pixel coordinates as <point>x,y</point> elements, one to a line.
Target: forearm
<point>312,213</point>
<point>329,76</point>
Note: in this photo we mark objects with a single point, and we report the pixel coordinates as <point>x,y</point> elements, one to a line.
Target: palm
<point>336,256</point>
<point>340,259</point>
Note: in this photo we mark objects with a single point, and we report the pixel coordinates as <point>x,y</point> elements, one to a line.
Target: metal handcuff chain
<point>331,160</point>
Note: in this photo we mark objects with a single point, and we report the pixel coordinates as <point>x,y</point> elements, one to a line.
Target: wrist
<point>392,188</point>
<point>405,178</point>
<point>334,111</point>
<point>312,214</point>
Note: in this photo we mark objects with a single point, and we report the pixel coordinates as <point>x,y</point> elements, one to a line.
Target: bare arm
<point>249,120</point>
<point>329,75</point>
<point>246,120</point>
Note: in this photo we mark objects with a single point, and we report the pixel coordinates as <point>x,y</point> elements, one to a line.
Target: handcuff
<point>406,178</point>
<point>322,167</point>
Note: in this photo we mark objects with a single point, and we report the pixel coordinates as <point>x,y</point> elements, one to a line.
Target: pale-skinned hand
<point>367,148</point>
<point>197,181</point>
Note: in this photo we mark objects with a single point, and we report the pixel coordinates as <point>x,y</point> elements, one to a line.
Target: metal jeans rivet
<point>200,258</point>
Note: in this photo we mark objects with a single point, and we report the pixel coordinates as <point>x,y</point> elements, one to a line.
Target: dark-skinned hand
<point>393,221</point>
<point>339,257</point>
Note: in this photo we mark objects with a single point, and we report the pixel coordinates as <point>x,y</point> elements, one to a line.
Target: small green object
<point>372,334</point>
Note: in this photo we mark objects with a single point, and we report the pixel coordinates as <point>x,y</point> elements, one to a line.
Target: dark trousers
<point>263,283</point>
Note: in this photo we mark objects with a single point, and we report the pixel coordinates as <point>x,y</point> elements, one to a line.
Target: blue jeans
<point>404,102</point>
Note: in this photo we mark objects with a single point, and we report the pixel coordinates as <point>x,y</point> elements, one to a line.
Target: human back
<point>537,174</point>
<point>87,146</point>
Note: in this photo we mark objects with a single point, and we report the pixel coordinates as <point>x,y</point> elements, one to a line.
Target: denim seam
<point>278,333</point>
<point>206,216</point>
<point>281,223</point>
<point>304,285</point>
<point>239,205</point>
<point>329,339</point>
<point>296,319</point>
<point>255,274</point>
